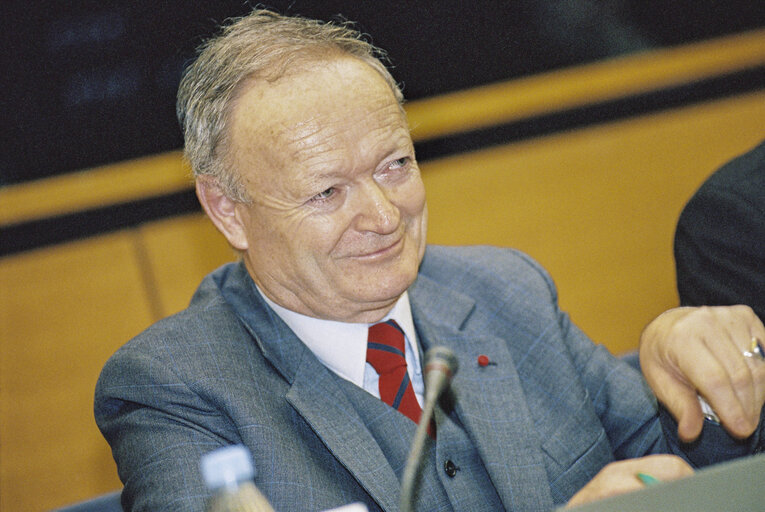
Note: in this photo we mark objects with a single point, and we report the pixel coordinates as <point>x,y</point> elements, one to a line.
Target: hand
<point>620,477</point>
<point>690,351</point>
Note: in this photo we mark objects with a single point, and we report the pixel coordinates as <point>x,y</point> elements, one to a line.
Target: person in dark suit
<point>720,237</point>
<point>303,160</point>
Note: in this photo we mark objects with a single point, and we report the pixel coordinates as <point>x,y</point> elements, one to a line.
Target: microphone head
<point>441,360</point>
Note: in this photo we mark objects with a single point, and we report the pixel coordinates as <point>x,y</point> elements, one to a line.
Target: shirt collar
<point>341,346</point>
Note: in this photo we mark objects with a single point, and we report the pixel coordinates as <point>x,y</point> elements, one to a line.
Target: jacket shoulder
<point>185,335</point>
<point>482,268</point>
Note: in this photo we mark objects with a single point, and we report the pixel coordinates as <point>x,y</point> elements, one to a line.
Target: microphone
<point>440,366</point>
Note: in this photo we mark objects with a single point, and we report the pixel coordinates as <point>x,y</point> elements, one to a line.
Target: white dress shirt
<point>342,347</point>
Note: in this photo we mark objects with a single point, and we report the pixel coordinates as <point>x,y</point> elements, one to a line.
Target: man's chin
<point>384,292</point>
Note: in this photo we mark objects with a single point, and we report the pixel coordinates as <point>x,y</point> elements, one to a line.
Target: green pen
<point>647,479</point>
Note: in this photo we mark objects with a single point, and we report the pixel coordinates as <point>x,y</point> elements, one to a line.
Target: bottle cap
<point>226,467</point>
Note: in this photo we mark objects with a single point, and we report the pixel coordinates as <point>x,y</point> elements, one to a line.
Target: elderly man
<point>303,160</point>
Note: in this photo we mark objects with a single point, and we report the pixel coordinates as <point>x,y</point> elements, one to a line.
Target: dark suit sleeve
<point>714,444</point>
<point>720,238</point>
<point>156,427</point>
<point>720,260</point>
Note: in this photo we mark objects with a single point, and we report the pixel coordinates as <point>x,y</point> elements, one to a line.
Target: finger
<point>620,477</point>
<point>711,378</point>
<point>733,328</point>
<point>747,328</point>
<point>757,333</point>
<point>731,372</point>
<point>746,374</point>
<point>662,467</point>
<point>758,369</point>
<point>680,399</point>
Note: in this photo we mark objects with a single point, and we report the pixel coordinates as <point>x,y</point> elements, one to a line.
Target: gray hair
<point>260,46</point>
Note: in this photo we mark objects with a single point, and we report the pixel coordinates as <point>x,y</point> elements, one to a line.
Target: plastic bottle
<point>229,473</point>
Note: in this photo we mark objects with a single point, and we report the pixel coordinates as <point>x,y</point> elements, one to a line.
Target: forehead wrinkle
<point>307,138</point>
<point>309,141</point>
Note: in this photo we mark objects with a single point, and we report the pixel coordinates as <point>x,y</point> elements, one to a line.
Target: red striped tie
<point>385,352</point>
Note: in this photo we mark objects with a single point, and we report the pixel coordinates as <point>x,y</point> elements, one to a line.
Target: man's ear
<point>223,211</point>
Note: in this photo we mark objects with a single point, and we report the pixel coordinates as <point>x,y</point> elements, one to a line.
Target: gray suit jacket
<point>549,412</point>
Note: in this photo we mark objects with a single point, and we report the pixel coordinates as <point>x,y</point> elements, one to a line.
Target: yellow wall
<point>63,311</point>
<point>597,206</point>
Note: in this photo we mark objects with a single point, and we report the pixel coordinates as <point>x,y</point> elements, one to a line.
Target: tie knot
<point>385,347</point>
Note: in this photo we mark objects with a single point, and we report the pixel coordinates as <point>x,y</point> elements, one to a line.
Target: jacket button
<point>450,469</point>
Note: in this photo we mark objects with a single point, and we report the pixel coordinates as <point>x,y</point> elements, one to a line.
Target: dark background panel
<point>92,82</point>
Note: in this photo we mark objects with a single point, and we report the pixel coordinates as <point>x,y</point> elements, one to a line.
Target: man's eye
<point>401,162</point>
<point>324,195</point>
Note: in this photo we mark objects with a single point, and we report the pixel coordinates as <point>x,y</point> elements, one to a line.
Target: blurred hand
<point>620,477</point>
<point>690,351</point>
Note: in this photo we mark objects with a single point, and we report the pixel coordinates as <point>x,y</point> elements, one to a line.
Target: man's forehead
<point>337,78</point>
<point>327,98</point>
<point>323,119</point>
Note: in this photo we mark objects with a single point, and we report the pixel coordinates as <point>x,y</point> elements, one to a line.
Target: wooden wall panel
<point>63,311</point>
<point>597,206</point>
<point>181,252</point>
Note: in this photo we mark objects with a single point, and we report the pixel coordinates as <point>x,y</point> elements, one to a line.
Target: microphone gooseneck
<point>440,366</point>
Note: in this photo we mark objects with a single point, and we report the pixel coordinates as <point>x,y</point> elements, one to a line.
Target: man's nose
<point>376,210</point>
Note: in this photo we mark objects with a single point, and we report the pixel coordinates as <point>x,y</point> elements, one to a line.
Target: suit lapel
<point>317,396</point>
<point>488,400</point>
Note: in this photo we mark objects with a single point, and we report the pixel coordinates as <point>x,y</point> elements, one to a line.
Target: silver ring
<point>756,350</point>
